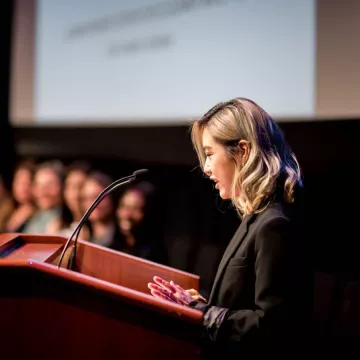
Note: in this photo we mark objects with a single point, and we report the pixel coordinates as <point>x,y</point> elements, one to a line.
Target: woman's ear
<point>244,147</point>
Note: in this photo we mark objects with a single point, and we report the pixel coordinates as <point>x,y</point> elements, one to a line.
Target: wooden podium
<point>100,310</point>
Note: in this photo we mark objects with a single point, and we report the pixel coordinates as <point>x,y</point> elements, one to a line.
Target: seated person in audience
<point>101,228</point>
<point>22,197</point>
<point>6,205</point>
<point>139,223</point>
<point>47,195</point>
<point>71,213</point>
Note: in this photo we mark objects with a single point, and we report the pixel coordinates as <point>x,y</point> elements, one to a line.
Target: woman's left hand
<point>169,291</point>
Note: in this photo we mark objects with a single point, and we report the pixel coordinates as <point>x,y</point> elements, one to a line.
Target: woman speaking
<point>261,300</point>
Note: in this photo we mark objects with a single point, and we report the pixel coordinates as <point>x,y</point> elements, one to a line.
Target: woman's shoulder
<point>273,211</point>
<point>280,215</point>
<point>282,209</point>
<point>279,221</point>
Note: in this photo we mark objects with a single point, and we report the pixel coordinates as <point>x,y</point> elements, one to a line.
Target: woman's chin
<point>225,195</point>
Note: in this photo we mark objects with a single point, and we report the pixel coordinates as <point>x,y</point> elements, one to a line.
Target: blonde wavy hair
<point>271,165</point>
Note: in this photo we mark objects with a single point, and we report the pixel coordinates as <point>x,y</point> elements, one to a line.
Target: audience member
<point>139,223</point>
<point>71,213</point>
<point>6,205</point>
<point>47,194</point>
<point>101,229</point>
<point>22,197</point>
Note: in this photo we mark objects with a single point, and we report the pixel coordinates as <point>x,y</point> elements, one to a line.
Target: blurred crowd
<point>50,198</point>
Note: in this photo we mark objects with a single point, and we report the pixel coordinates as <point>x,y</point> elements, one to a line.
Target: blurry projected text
<point>171,60</point>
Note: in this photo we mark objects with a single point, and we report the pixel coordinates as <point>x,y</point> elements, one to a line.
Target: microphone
<point>120,182</point>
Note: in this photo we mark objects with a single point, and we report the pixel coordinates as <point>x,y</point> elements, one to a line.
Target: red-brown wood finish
<point>102,310</point>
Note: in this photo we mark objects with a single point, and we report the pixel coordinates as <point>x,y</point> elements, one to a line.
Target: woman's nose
<point>207,169</point>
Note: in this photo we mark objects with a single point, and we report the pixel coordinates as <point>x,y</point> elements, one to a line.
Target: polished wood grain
<point>126,270</point>
<point>100,310</point>
<point>57,313</point>
<point>121,292</point>
<point>51,329</point>
<point>42,239</point>
<point>35,247</point>
<point>36,251</point>
<point>5,238</point>
<point>6,244</point>
<point>97,261</point>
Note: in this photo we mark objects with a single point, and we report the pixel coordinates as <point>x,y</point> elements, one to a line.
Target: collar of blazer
<point>231,248</point>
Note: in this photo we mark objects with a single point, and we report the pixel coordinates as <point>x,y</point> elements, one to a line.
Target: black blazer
<point>261,298</point>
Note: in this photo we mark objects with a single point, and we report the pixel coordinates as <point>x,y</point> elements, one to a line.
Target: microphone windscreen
<point>140,172</point>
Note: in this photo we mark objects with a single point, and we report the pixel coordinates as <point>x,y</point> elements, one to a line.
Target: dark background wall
<point>6,135</point>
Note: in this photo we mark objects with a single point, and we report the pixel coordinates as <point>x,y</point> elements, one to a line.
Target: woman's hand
<point>196,296</point>
<point>172,292</point>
